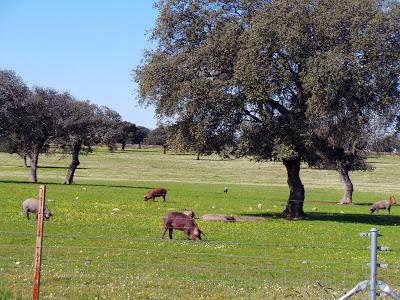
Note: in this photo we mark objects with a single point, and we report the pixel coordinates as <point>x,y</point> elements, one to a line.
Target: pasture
<point>104,240</point>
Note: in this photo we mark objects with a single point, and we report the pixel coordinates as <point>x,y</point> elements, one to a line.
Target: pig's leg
<point>163,231</point>
<point>163,197</point>
<point>187,234</point>
<point>170,229</point>
<point>389,209</point>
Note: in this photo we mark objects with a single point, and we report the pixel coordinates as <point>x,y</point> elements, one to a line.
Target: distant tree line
<point>34,120</point>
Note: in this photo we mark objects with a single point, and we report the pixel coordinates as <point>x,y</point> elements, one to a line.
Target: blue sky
<point>86,47</point>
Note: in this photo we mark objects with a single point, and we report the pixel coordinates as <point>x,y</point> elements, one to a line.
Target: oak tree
<point>275,70</point>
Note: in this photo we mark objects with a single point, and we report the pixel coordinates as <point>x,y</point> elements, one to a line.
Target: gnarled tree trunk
<point>123,144</point>
<point>34,157</point>
<point>347,186</point>
<point>74,163</point>
<point>294,207</point>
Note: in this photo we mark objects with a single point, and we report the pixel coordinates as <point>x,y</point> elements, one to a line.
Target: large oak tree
<point>13,92</point>
<point>277,71</point>
<point>33,122</point>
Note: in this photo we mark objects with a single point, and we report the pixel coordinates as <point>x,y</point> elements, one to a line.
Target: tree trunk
<point>24,157</point>
<point>140,146</point>
<point>294,207</point>
<point>165,148</point>
<point>198,155</point>
<point>34,157</point>
<point>347,186</point>
<point>123,146</point>
<point>74,163</point>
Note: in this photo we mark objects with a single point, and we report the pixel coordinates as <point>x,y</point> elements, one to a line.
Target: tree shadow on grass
<point>52,167</point>
<point>78,184</point>
<point>383,219</point>
<point>56,167</point>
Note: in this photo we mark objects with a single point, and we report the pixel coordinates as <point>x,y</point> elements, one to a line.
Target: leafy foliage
<point>140,134</point>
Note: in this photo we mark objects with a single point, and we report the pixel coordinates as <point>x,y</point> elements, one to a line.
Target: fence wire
<point>104,258</point>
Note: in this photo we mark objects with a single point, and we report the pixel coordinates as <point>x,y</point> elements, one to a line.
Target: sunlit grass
<point>104,240</point>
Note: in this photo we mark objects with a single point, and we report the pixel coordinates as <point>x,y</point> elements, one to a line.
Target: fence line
<point>147,264</point>
<point>308,262</point>
<point>269,264</point>
<point>211,242</point>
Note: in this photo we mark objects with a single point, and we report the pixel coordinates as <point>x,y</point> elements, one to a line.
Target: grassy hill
<point>104,240</point>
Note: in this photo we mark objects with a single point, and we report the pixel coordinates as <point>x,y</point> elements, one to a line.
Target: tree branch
<point>248,113</point>
<point>279,107</point>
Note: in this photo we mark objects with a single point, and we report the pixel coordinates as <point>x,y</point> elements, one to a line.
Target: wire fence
<point>144,270</point>
<point>107,257</point>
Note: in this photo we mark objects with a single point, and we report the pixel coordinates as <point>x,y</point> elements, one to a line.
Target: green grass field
<point>104,240</point>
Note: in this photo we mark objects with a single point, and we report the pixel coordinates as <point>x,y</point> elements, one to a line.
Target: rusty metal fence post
<point>39,240</point>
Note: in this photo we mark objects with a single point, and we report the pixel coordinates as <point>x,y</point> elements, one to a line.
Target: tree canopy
<point>127,132</point>
<point>158,136</point>
<point>140,134</point>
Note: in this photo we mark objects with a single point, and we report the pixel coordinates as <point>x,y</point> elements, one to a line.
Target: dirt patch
<point>250,219</point>
<point>323,203</point>
<point>230,218</point>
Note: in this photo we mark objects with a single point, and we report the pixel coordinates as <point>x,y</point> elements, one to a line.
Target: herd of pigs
<point>183,221</point>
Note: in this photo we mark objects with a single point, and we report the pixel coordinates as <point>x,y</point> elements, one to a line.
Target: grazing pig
<point>32,206</point>
<point>181,221</point>
<point>385,204</point>
<point>155,193</point>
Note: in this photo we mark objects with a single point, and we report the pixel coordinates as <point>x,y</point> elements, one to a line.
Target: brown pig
<point>157,192</point>
<point>181,221</point>
<point>385,204</point>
